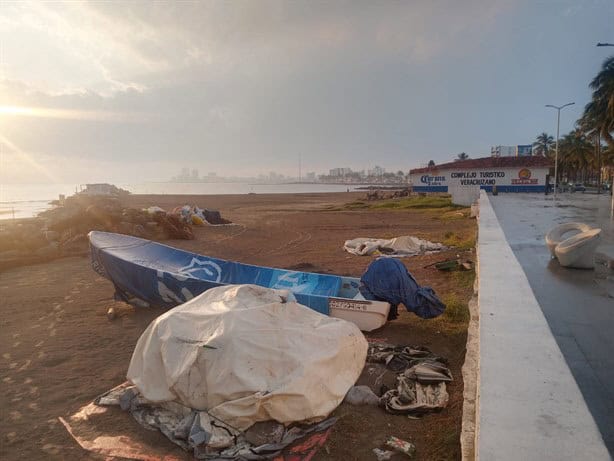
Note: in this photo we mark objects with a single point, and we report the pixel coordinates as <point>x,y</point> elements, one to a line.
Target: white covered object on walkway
<point>405,245</point>
<point>579,251</point>
<point>247,353</point>
<point>562,232</point>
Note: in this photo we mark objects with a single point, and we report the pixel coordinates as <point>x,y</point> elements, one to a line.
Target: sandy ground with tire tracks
<point>59,350</point>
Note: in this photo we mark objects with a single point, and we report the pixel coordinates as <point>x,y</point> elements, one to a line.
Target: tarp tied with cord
<point>245,354</point>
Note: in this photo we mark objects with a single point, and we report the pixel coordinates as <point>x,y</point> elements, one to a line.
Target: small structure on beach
<point>102,189</point>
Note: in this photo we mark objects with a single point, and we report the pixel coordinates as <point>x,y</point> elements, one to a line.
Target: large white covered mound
<point>247,353</point>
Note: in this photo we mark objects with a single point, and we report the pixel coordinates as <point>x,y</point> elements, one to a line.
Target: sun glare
<point>70,114</point>
<point>17,110</point>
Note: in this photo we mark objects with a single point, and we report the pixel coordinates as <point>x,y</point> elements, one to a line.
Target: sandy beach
<point>59,350</point>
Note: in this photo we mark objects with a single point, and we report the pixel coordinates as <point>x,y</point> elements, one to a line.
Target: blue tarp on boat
<point>387,279</point>
<point>166,276</point>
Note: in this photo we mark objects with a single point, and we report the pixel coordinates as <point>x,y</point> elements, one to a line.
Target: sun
<point>17,110</point>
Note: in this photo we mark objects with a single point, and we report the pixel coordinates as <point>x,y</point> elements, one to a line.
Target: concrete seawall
<point>529,405</point>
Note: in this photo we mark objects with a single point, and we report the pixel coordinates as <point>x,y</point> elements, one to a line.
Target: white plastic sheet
<point>245,354</point>
<point>405,245</point>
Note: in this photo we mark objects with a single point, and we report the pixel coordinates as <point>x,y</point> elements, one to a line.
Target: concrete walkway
<point>579,313</point>
<point>530,406</point>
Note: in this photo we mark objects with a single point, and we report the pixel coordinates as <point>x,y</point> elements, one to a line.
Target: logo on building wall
<point>525,173</point>
<point>524,177</point>
<point>432,180</point>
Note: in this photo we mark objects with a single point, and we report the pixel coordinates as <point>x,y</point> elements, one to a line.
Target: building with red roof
<point>509,174</point>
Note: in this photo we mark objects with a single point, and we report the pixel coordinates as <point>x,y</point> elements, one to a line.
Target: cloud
<point>243,87</point>
<point>115,46</point>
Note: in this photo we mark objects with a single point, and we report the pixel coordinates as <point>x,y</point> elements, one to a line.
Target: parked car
<point>579,187</point>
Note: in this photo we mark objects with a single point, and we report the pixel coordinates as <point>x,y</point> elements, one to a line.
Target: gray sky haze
<point>134,91</point>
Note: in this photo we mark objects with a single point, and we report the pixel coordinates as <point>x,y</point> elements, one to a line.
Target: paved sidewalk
<point>578,311</point>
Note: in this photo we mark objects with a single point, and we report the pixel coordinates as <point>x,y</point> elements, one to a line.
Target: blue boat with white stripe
<point>165,276</point>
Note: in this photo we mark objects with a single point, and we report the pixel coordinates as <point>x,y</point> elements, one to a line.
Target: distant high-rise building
<point>340,172</point>
<point>377,171</point>
<point>194,174</point>
<point>521,150</point>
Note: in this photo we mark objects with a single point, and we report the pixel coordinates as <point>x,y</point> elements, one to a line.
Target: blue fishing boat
<point>164,276</point>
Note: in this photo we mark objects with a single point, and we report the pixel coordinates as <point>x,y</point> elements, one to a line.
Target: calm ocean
<point>26,200</point>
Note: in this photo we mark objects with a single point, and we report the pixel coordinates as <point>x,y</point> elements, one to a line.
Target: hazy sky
<point>132,91</point>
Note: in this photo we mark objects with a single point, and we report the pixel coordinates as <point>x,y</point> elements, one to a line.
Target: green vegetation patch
<point>441,203</point>
<point>463,279</point>
<point>452,239</point>
<point>456,311</point>
<point>357,205</point>
<point>429,201</point>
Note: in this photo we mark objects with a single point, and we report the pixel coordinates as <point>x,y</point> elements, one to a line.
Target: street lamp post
<point>556,154</point>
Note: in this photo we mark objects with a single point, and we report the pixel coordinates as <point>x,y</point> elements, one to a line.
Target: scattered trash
<point>194,431</point>
<point>383,455</point>
<point>401,446</point>
<point>421,382</point>
<point>205,435</point>
<point>361,395</point>
<point>265,432</point>
<point>400,358</point>
<point>415,398</point>
<point>450,265</point>
<point>111,313</point>
<point>389,280</point>
<point>62,230</point>
<point>396,247</point>
<point>152,210</point>
<point>192,214</point>
<point>214,218</point>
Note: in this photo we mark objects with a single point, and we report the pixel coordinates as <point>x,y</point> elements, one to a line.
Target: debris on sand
<point>421,379</point>
<point>361,395</point>
<point>402,246</point>
<point>401,446</point>
<point>383,455</point>
<point>62,230</point>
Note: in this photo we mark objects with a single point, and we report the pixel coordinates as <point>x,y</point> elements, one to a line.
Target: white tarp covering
<point>405,245</point>
<point>247,353</point>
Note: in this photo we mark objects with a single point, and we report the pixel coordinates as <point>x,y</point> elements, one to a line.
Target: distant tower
<point>299,167</point>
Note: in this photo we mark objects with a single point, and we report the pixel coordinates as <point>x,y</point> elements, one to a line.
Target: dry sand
<point>59,350</point>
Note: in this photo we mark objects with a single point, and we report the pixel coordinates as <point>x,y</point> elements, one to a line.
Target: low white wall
<point>530,406</point>
<point>463,195</point>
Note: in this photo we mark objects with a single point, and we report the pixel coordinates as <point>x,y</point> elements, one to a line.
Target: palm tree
<point>462,156</point>
<point>431,163</point>
<point>543,144</point>
<point>598,114</point>
<point>576,156</point>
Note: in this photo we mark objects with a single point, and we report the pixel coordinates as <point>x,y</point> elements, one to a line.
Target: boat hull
<point>165,276</point>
